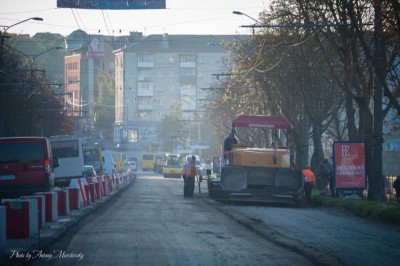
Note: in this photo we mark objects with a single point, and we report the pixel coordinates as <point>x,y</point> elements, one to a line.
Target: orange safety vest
<point>309,175</point>
<point>192,170</point>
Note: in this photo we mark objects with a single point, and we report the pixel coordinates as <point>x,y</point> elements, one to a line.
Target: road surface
<point>151,223</point>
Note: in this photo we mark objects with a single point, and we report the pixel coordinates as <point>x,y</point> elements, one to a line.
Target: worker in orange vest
<point>309,182</point>
<point>192,175</point>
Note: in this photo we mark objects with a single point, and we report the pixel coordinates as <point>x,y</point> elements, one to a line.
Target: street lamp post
<point>2,41</point>
<point>243,14</point>
<point>32,58</point>
<point>3,35</point>
<point>22,21</point>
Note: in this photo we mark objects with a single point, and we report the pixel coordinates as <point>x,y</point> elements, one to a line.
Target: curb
<point>40,243</point>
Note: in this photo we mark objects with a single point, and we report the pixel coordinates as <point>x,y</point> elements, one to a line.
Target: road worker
<point>309,182</point>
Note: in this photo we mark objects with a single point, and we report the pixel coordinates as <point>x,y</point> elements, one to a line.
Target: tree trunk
<point>305,129</point>
<point>376,188</point>
<point>318,153</point>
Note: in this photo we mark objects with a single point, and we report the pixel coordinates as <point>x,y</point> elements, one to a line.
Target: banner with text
<point>349,165</point>
<point>112,4</point>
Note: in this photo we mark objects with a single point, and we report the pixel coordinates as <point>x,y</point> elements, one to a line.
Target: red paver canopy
<point>272,121</point>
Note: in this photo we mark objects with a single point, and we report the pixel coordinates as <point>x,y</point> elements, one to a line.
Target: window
<point>188,58</point>
<point>144,100</point>
<point>143,114</point>
<point>148,157</point>
<point>188,72</point>
<point>65,149</point>
<point>145,85</point>
<point>145,58</point>
<point>21,152</point>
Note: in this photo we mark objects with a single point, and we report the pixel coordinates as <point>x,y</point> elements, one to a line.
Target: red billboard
<point>112,4</point>
<point>349,165</point>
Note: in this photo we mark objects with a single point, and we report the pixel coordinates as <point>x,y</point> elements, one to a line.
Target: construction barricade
<point>101,185</point>
<point>94,188</point>
<point>87,190</point>
<point>75,198</point>
<point>116,182</point>
<point>122,178</point>
<point>51,205</point>
<point>41,208</point>
<point>63,202</point>
<point>22,217</point>
<point>82,197</point>
<point>108,184</point>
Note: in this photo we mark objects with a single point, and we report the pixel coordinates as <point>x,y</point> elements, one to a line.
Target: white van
<point>109,165</point>
<point>68,150</point>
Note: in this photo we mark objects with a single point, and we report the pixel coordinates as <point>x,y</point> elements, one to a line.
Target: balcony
<point>144,78</point>
<point>188,79</point>
<point>187,64</point>
<point>145,107</point>
<point>145,64</point>
<point>145,92</point>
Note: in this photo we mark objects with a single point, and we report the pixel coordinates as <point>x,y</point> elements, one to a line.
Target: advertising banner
<point>112,4</point>
<point>349,165</point>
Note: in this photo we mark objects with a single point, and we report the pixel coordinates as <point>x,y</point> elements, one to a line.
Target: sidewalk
<point>17,249</point>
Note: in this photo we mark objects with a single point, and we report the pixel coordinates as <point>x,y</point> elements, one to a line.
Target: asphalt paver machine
<point>259,174</point>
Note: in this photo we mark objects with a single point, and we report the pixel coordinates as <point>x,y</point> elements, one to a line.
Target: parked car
<point>89,171</point>
<point>133,161</point>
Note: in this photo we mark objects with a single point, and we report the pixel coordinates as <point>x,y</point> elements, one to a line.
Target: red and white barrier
<point>87,190</point>
<point>22,217</point>
<point>3,227</point>
<point>77,184</point>
<point>108,184</point>
<point>101,185</point>
<point>93,188</point>
<point>124,177</point>
<point>51,203</point>
<point>41,208</point>
<point>63,202</point>
<point>117,181</point>
<point>75,198</point>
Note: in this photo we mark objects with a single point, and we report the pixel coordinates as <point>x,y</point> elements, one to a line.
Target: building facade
<point>89,56</point>
<point>161,74</point>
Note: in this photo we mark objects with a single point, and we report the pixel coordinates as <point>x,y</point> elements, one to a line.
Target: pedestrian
<point>191,177</point>
<point>229,141</point>
<point>309,182</point>
<point>396,186</point>
<point>325,176</point>
<point>185,175</point>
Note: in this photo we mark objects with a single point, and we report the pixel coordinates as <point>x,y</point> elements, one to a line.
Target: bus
<point>92,155</point>
<point>148,161</point>
<point>69,151</point>
<point>119,159</point>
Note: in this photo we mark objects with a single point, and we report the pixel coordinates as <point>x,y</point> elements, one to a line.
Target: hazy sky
<point>180,17</point>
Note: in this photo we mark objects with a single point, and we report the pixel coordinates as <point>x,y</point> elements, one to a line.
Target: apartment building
<point>88,56</point>
<point>158,73</point>
<point>153,76</point>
